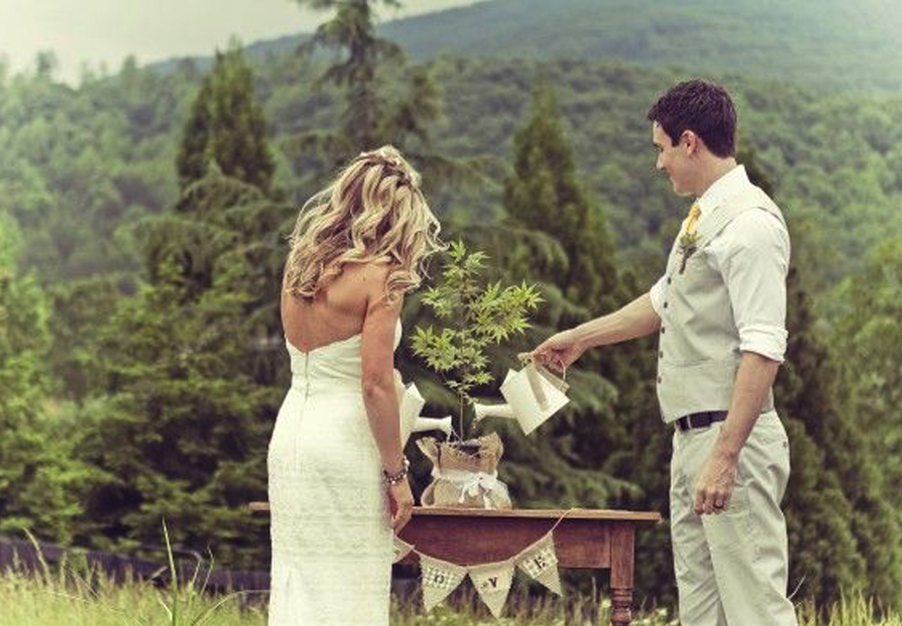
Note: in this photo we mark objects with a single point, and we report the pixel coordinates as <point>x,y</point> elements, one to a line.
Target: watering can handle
<point>535,384</point>
<point>559,383</point>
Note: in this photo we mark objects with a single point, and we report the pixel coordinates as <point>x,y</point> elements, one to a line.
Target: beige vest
<point>699,342</point>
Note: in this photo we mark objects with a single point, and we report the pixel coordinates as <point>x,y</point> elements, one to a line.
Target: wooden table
<point>585,538</point>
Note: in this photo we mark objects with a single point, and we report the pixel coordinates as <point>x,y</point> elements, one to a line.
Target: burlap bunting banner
<point>440,578</point>
<point>402,549</point>
<point>539,561</point>
<point>493,582</point>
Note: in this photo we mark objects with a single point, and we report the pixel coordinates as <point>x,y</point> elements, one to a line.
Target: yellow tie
<point>692,221</point>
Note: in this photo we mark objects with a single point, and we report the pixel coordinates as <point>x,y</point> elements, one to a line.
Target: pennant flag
<point>540,562</point>
<point>493,582</point>
<point>439,579</point>
<point>402,549</point>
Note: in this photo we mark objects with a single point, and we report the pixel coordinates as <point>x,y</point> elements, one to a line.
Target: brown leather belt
<point>700,420</point>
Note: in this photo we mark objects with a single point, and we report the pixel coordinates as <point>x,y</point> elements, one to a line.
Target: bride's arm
<point>379,394</point>
<point>377,354</point>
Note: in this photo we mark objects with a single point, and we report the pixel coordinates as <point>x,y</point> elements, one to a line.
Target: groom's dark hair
<point>702,107</point>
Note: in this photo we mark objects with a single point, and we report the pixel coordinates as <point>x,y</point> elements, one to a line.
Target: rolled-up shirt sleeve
<point>754,267</point>
<point>656,294</point>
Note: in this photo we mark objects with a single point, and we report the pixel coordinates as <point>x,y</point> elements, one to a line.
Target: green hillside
<point>831,44</point>
<point>81,167</point>
<point>843,44</point>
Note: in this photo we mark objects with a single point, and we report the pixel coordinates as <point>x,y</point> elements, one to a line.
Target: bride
<point>337,474</point>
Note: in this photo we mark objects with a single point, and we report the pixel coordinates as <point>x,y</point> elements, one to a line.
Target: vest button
<point>669,280</point>
<point>660,379</point>
<point>661,354</point>
<point>663,329</point>
<point>665,305</point>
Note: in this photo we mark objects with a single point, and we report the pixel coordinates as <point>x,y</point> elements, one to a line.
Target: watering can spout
<point>423,424</point>
<point>411,404</point>
<point>493,410</point>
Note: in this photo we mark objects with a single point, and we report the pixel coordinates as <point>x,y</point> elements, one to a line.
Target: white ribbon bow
<point>470,483</point>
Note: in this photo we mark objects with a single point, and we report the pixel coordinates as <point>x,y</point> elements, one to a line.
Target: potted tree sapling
<point>474,315</point>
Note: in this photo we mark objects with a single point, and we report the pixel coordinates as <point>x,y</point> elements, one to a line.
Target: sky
<point>106,31</point>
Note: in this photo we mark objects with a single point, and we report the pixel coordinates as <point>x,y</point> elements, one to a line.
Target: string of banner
<point>492,580</point>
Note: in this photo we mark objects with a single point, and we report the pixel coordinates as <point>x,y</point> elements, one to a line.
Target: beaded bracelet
<point>394,479</point>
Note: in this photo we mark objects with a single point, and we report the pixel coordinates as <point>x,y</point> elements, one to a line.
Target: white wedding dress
<point>331,531</point>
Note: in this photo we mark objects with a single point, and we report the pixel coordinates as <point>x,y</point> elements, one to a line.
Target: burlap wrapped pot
<point>465,475</point>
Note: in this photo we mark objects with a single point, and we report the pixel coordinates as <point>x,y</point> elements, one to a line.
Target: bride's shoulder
<point>373,280</point>
<point>374,274</point>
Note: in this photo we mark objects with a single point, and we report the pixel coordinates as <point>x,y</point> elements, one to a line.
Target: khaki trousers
<point>732,568</point>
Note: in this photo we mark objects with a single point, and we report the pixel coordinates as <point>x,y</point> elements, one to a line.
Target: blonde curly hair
<point>374,211</point>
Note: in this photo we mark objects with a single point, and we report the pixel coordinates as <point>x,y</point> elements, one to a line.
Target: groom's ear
<point>690,142</point>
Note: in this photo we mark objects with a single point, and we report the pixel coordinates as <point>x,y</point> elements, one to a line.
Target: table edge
<point>648,517</point>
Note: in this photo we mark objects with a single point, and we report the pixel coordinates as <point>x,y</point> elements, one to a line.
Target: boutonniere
<point>688,245</point>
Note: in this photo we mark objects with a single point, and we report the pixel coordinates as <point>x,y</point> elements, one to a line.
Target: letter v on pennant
<point>493,582</point>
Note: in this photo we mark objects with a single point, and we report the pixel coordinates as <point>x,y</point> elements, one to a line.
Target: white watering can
<point>533,395</point>
<point>411,404</point>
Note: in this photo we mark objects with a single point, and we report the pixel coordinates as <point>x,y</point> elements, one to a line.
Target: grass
<point>62,596</point>
<point>67,599</point>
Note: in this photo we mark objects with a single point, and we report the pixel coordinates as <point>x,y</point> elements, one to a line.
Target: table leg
<point>622,554</point>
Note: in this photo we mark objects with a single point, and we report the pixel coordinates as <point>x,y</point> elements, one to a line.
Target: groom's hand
<point>715,484</point>
<point>559,351</point>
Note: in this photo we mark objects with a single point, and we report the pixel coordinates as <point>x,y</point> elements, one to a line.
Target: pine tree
<point>565,463</point>
<point>78,310</point>
<point>864,445</point>
<point>385,99</point>
<point>192,383</point>
<point>843,534</point>
<point>543,194</point>
<point>38,480</point>
<point>824,556</point>
<point>193,391</point>
<point>226,126</point>
<point>353,31</point>
<point>867,333</point>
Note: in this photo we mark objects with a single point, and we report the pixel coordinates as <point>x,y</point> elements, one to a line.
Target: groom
<point>719,310</point>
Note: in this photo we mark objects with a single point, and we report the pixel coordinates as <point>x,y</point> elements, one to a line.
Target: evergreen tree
<point>79,309</point>
<point>543,194</point>
<point>866,334</point>
<point>38,480</point>
<point>193,389</point>
<point>824,556</point>
<point>193,386</point>
<point>622,435</point>
<point>843,534</point>
<point>385,99</point>
<point>560,465</point>
<point>227,127</point>
<point>353,32</point>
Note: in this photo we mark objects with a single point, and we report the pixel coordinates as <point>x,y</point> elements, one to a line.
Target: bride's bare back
<point>337,313</point>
